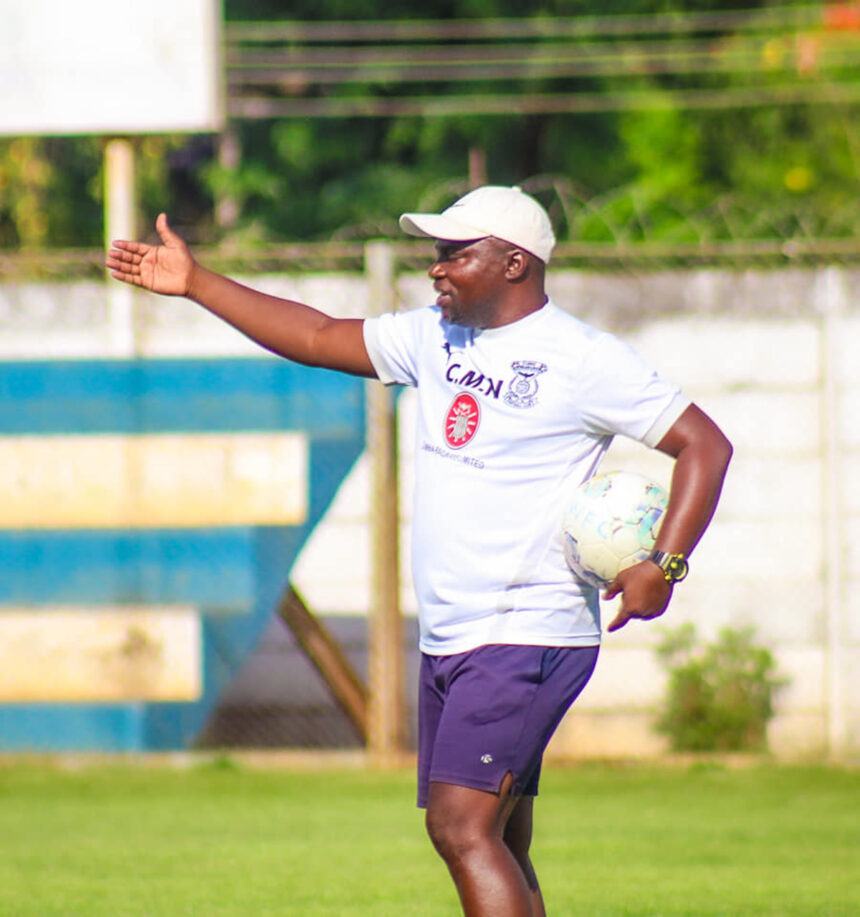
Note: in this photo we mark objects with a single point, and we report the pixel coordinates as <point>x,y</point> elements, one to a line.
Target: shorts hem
<point>471,783</point>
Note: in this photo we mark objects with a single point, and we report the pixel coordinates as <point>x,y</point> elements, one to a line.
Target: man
<point>518,401</point>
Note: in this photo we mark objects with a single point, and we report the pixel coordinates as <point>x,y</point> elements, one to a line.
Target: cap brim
<point>437,226</point>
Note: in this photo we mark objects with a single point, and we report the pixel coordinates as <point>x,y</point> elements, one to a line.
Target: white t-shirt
<point>510,419</point>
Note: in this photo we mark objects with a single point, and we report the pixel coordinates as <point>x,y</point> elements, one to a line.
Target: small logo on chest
<point>523,388</point>
<point>462,419</point>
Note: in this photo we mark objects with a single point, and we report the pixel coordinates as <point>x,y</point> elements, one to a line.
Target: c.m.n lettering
<point>472,379</point>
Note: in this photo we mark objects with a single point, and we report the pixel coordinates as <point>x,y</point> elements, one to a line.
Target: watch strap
<point>674,566</point>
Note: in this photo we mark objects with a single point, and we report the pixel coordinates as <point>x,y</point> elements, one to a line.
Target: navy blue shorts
<point>492,711</point>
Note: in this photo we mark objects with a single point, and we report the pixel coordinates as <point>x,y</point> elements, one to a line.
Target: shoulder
<point>413,324</point>
<point>399,344</point>
<point>569,322</point>
<point>423,315</point>
<point>597,340</point>
<point>562,332</point>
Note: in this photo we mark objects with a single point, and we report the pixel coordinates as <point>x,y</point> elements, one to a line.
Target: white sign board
<point>109,66</point>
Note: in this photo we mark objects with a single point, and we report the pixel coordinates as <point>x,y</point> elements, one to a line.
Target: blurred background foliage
<point>719,695</point>
<point>658,170</point>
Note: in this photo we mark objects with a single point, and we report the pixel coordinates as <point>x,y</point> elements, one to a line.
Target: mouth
<point>442,298</point>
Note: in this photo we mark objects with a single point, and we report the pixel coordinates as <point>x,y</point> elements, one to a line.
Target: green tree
<point>671,173</point>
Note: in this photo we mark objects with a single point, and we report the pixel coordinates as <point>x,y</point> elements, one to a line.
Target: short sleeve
<point>391,341</point>
<point>618,393</point>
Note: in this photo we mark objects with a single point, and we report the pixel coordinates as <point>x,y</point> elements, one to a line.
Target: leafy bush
<point>720,695</point>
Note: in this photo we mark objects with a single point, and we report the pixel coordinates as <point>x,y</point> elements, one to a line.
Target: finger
<point>123,257</point>
<point>121,270</point>
<point>122,264</point>
<point>123,260</point>
<point>127,277</point>
<point>135,248</point>
<point>167,235</point>
<point>612,590</point>
<point>618,621</point>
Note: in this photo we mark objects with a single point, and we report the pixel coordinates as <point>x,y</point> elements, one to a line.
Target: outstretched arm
<point>702,454</point>
<point>288,328</point>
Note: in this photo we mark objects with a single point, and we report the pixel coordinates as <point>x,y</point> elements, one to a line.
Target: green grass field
<point>221,840</point>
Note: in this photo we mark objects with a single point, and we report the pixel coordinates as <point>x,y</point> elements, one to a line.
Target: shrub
<point>720,695</point>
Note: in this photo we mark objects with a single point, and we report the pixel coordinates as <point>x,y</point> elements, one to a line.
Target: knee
<point>452,836</point>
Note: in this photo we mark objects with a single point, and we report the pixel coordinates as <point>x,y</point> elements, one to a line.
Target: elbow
<point>698,442</point>
<point>722,452</point>
<point>727,450</point>
<point>713,452</point>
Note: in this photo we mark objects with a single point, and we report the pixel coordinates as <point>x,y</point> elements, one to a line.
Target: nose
<point>436,270</point>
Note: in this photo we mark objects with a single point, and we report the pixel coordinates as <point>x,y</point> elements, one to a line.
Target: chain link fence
<point>293,708</point>
<point>279,699</point>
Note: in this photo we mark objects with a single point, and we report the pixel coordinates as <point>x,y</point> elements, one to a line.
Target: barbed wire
<point>631,249</point>
<point>783,55</point>
<point>750,20</point>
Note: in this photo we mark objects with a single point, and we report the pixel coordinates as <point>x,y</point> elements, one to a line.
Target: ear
<point>516,264</point>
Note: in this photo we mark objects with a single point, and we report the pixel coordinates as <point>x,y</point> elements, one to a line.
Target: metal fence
<point>318,720</point>
<point>278,698</point>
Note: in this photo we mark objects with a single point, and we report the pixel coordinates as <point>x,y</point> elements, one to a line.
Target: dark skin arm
<point>290,329</point>
<point>702,454</point>
<point>303,334</point>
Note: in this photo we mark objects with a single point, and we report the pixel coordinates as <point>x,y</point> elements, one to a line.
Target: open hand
<point>167,268</point>
<point>644,593</point>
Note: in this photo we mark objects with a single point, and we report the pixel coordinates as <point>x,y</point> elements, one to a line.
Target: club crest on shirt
<point>462,419</point>
<point>523,388</point>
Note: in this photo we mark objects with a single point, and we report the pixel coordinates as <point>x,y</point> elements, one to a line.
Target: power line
<point>292,69</point>
<point>529,104</point>
<point>778,17</point>
<point>450,63</point>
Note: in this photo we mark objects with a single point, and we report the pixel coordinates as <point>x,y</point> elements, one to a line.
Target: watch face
<point>676,568</point>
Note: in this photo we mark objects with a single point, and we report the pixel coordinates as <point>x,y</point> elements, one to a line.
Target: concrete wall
<point>772,356</point>
<point>159,477</point>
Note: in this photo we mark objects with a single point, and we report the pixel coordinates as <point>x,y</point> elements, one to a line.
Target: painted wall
<point>772,356</point>
<point>153,504</point>
<point>158,431</point>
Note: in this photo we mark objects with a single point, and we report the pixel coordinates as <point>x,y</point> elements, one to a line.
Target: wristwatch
<point>674,566</point>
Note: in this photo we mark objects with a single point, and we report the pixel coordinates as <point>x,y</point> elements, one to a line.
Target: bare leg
<point>518,837</point>
<point>467,828</point>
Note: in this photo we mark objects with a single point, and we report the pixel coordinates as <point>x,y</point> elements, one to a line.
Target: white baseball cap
<point>493,210</point>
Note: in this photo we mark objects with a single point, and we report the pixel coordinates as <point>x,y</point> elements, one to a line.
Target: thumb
<point>168,236</point>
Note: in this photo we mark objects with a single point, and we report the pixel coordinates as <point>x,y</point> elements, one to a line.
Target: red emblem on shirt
<point>462,420</point>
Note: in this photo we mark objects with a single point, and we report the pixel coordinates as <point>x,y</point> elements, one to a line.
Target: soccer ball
<point>612,523</point>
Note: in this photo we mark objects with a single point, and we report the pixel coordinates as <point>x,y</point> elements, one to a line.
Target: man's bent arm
<point>702,454</point>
